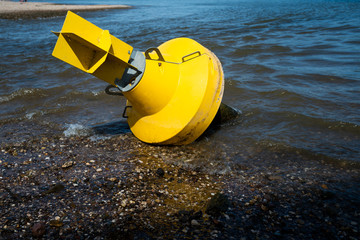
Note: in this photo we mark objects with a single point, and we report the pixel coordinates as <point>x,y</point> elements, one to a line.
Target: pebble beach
<point>120,188</point>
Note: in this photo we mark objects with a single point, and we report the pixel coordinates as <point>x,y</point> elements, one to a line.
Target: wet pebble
<point>38,229</point>
<point>56,223</point>
<point>218,204</point>
<point>139,196</point>
<point>160,172</point>
<point>194,222</point>
<point>68,164</point>
<point>55,189</point>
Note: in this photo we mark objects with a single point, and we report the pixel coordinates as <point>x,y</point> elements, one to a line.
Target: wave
<point>23,93</point>
<point>246,50</point>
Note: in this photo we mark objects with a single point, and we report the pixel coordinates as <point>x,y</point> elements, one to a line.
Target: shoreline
<point>72,187</point>
<point>21,10</point>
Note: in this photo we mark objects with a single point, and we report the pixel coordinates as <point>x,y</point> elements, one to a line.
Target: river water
<point>291,67</point>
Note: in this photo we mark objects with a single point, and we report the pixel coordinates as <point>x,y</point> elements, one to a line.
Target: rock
<point>124,203</point>
<point>38,229</point>
<point>56,223</point>
<point>54,189</point>
<point>264,207</point>
<point>327,194</point>
<point>68,164</point>
<point>185,216</point>
<point>160,172</point>
<point>112,179</point>
<point>274,178</point>
<point>217,223</point>
<point>300,221</point>
<point>198,215</point>
<point>195,223</point>
<point>218,203</point>
<point>14,196</point>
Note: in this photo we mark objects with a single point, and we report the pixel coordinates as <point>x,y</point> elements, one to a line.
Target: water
<point>291,67</point>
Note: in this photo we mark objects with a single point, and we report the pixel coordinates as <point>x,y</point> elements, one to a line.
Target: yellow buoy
<point>173,91</point>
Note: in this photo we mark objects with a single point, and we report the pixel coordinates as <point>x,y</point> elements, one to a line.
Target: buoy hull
<point>196,84</point>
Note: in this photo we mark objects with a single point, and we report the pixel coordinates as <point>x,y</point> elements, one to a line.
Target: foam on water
<point>21,93</point>
<point>76,130</point>
<point>30,115</point>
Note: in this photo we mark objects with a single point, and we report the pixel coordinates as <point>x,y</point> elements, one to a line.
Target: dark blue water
<point>291,67</point>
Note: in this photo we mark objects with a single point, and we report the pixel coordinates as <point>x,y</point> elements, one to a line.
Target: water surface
<point>291,67</point>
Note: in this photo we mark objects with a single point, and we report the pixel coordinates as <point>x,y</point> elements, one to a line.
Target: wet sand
<point>15,10</point>
<point>120,188</point>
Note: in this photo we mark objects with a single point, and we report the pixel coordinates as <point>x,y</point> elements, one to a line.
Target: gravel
<point>119,188</point>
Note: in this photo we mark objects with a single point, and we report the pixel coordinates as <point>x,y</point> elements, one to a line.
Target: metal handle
<point>147,56</point>
<point>189,55</point>
<point>107,91</point>
<point>124,113</point>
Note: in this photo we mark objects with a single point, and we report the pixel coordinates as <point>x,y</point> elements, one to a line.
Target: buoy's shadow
<point>225,115</point>
<point>112,128</point>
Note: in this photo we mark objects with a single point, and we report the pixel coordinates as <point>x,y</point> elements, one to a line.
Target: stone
<point>300,221</point>
<point>195,223</point>
<point>274,178</point>
<point>264,207</point>
<point>68,164</point>
<point>54,189</point>
<point>218,204</point>
<point>38,229</point>
<point>160,172</point>
<point>56,223</point>
<point>198,215</point>
<point>185,216</point>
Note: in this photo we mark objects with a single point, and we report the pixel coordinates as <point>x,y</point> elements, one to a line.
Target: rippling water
<point>291,67</point>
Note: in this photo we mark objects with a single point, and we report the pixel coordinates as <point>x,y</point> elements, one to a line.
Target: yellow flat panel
<point>91,49</point>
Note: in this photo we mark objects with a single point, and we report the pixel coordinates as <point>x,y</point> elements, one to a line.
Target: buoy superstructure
<point>173,91</point>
